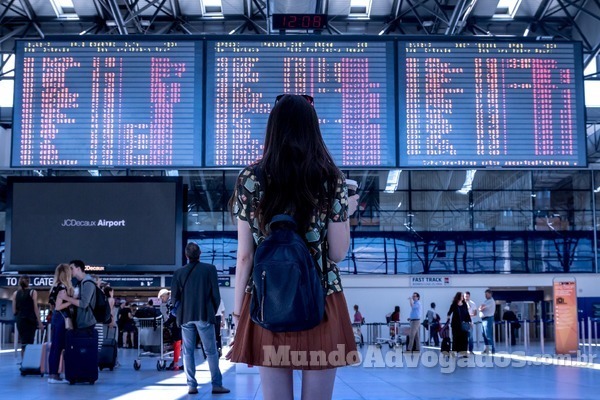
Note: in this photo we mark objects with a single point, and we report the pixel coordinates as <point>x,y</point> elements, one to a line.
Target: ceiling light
<point>507,9</point>
<point>360,9</point>
<point>64,9</point>
<point>212,8</point>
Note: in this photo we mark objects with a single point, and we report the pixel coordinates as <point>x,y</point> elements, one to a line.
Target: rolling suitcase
<point>81,356</point>
<point>107,358</point>
<point>32,358</point>
<point>446,345</point>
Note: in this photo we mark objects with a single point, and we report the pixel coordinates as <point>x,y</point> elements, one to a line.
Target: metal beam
<point>7,8</point>
<point>116,14</point>
<point>175,8</point>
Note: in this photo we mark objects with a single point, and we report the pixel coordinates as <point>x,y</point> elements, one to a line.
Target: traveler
<point>474,319</point>
<point>85,302</point>
<point>415,322</point>
<point>196,288</point>
<point>298,177</point>
<point>61,320</point>
<point>126,325</point>
<point>170,323</point>
<point>24,305</point>
<point>461,324</point>
<point>510,317</point>
<point>487,311</point>
<point>433,323</point>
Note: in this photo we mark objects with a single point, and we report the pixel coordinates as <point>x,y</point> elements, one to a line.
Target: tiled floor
<point>384,374</point>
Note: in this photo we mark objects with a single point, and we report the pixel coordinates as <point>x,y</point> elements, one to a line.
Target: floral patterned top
<point>247,196</point>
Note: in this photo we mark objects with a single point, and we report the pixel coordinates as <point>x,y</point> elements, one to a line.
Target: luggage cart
<point>358,336</point>
<point>373,332</point>
<point>151,342</point>
<point>395,336</point>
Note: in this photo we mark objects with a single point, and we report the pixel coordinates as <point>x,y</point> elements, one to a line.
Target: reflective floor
<point>384,374</point>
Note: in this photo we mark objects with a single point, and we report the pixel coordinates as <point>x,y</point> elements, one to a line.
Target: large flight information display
<point>107,103</point>
<point>491,104</point>
<point>352,83</point>
<point>383,102</point>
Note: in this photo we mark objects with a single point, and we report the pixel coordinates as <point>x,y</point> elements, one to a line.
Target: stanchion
<point>526,335</point>
<point>542,339</point>
<point>589,338</point>
<point>581,338</point>
<point>506,335</point>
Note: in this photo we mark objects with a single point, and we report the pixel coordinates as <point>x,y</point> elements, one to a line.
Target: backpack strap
<point>93,296</point>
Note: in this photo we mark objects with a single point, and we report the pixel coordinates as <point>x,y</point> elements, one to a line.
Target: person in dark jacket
<point>511,317</point>
<point>24,305</point>
<point>196,288</point>
<point>460,314</point>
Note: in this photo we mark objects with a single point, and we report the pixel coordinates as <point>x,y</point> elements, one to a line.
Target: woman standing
<point>60,319</point>
<point>24,305</point>
<point>298,177</point>
<point>461,323</point>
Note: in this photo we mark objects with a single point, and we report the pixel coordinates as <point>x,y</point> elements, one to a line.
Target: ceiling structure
<point>547,19</point>
<point>560,19</point>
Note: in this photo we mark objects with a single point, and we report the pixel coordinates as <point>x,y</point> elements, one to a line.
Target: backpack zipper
<point>263,276</point>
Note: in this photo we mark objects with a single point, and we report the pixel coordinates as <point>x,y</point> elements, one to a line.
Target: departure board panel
<point>491,104</point>
<point>107,103</point>
<point>352,83</point>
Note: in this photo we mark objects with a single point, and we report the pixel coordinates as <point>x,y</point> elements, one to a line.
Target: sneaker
<point>192,390</point>
<point>52,380</point>
<point>220,390</point>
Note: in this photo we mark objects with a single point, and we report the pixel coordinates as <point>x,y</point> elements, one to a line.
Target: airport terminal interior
<point>472,129</point>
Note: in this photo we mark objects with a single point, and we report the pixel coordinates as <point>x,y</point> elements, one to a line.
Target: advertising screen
<point>113,225</point>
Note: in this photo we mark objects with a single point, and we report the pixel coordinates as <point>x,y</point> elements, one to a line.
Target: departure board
<point>107,103</point>
<point>352,83</point>
<point>491,104</point>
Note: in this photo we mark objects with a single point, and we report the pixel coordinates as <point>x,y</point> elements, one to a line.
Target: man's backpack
<point>288,294</point>
<point>101,308</point>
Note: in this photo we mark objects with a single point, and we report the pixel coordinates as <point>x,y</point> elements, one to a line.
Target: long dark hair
<point>457,297</point>
<point>297,171</point>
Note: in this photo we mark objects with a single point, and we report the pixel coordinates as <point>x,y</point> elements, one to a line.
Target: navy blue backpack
<point>288,294</point>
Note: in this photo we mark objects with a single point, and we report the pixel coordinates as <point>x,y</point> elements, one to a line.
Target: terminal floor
<point>399,380</point>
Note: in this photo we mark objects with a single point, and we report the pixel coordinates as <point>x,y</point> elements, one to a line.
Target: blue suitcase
<point>81,356</point>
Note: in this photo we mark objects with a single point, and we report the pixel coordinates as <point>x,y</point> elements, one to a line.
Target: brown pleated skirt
<point>330,344</point>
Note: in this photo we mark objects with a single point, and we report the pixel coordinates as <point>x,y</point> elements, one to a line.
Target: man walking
<point>415,322</point>
<point>488,309</point>
<point>196,288</point>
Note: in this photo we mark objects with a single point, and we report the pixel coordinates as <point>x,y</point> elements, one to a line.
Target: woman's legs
<point>318,385</point>
<point>58,344</point>
<point>277,383</point>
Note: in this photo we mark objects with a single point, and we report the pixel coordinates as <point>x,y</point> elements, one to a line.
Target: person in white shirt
<point>487,310</point>
<point>474,318</point>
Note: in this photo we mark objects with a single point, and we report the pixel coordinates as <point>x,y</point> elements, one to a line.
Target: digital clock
<point>299,21</point>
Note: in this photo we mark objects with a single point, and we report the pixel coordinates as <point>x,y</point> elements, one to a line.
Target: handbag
<point>465,326</point>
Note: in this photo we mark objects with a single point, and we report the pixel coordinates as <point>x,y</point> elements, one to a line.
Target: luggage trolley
<point>151,342</point>
<point>395,338</point>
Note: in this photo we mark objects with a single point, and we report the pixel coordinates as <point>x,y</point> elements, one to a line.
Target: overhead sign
<point>429,281</point>
<point>132,281</point>
<point>224,281</point>
<point>34,280</point>
<point>566,329</point>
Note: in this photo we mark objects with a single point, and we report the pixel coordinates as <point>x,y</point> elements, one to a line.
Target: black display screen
<point>107,103</point>
<point>491,104</point>
<point>352,83</point>
<point>112,224</point>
